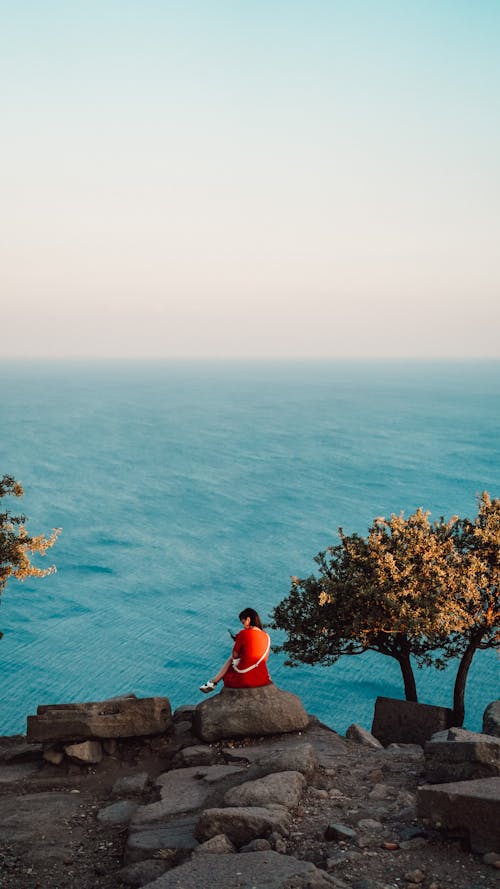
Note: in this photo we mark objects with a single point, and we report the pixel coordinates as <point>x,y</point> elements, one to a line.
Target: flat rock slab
<point>471,807</point>
<point>265,870</point>
<point>458,755</point>
<point>249,712</point>
<point>182,791</point>
<point>17,771</point>
<point>174,838</point>
<point>15,748</point>
<point>117,718</point>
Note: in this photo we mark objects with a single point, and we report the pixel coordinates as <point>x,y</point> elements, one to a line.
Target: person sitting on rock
<point>246,668</point>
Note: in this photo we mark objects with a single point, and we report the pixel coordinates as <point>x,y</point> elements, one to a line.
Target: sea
<point>189,490</point>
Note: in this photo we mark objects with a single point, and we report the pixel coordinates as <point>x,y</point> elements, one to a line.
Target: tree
<point>478,543</point>
<point>411,588</point>
<point>16,545</point>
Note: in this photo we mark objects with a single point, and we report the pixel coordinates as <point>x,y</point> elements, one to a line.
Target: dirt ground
<point>58,843</point>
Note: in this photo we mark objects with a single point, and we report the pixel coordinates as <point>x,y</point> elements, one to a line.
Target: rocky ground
<point>356,820</point>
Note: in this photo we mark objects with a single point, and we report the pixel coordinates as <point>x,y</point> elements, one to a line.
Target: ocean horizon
<point>188,490</point>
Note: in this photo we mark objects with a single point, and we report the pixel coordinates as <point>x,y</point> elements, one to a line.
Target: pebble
<point>319,793</point>
<point>370,824</point>
<point>391,847</point>
<point>339,832</point>
<point>415,876</point>
<point>492,858</point>
<point>415,843</point>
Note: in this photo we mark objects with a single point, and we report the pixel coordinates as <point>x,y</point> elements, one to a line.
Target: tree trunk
<point>461,677</point>
<point>410,685</point>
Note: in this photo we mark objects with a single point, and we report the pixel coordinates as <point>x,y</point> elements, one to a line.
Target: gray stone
<point>217,845</point>
<point>18,771</point>
<point>283,788</point>
<point>470,807</point>
<point>53,755</point>
<point>406,722</point>
<point>175,837</point>
<point>183,790</point>
<point>198,755</point>
<point>117,718</point>
<point>243,823</point>
<point>85,752</point>
<point>362,736</point>
<point>184,713</point>
<point>459,755</point>
<point>131,785</point>
<point>273,871</point>
<point>117,813</point>
<point>370,824</point>
<point>338,832</point>
<point>293,757</point>
<point>258,845</point>
<point>491,719</point>
<point>249,712</point>
<point>142,872</point>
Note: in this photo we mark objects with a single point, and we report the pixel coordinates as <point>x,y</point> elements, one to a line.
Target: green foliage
<point>16,545</point>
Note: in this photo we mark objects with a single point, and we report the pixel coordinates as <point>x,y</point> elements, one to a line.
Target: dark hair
<point>252,614</point>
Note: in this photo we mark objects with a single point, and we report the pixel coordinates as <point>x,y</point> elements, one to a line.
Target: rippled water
<point>187,491</point>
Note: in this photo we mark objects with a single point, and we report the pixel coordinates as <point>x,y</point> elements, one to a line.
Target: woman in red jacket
<point>246,668</point>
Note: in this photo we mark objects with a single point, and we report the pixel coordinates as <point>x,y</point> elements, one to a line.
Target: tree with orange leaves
<point>416,591</point>
<point>16,545</point>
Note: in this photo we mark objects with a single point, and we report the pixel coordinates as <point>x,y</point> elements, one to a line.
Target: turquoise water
<point>187,491</point>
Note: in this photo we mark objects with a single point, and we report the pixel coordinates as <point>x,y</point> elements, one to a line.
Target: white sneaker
<point>207,686</point>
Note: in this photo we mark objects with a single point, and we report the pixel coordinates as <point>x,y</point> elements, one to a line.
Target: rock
<point>86,752</point>
<point>116,718</point>
<point>491,719</point>
<point>283,788</point>
<point>142,872</point>
<point>339,832</point>
<point>272,870</point>
<point>362,736</point>
<point>389,846</point>
<point>294,758</point>
<point>258,845</point>
<point>184,713</point>
<point>414,843</point>
<point>183,790</point>
<point>35,821</point>
<point>415,876</point>
<point>409,750</point>
<point>15,748</point>
<point>370,824</point>
<point>492,858</point>
<point>242,823</point>
<point>217,845</point>
<point>117,813</point>
<point>381,792</point>
<point>175,837</point>
<point>198,755</point>
<point>53,755</point>
<point>406,722</point>
<point>131,785</point>
<point>459,755</point>
<point>471,807</point>
<point>249,712</point>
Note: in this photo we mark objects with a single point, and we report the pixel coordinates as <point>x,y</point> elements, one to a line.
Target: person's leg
<point>222,672</point>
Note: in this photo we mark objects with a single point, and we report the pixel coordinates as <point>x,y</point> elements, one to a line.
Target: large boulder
<point>458,755</point>
<point>126,717</point>
<point>249,712</point>
<point>406,722</point>
<point>283,788</point>
<point>491,719</point>
<point>471,808</point>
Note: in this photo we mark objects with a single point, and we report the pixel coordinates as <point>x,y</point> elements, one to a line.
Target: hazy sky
<point>250,177</point>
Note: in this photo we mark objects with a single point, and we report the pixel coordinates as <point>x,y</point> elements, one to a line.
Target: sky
<point>250,178</point>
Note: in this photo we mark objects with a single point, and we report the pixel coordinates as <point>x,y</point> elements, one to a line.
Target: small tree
<point>16,544</point>
<point>411,588</point>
